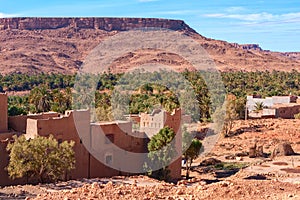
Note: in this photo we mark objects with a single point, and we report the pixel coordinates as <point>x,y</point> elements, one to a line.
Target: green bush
<point>161,152</point>
<point>40,158</point>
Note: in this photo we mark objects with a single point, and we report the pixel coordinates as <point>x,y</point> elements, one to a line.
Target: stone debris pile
<point>147,189</point>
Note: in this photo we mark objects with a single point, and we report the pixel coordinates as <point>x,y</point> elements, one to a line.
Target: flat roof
<point>281,105</point>
<point>110,122</point>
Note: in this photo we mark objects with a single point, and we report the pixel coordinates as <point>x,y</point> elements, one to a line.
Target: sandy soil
<point>260,178</point>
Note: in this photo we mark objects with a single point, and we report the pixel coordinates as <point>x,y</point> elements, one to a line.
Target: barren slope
<point>34,45</point>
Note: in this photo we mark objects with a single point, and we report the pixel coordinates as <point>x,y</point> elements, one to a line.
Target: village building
<point>63,128</point>
<point>273,107</point>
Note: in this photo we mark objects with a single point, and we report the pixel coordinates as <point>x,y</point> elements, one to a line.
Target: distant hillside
<point>35,45</point>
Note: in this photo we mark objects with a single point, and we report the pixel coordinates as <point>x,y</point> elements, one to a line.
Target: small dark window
<point>59,141</point>
<point>109,138</point>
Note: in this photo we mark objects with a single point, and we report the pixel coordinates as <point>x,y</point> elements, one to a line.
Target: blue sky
<point>273,24</point>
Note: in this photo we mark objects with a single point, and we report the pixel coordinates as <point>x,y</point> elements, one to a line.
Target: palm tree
<point>259,106</point>
<point>40,97</point>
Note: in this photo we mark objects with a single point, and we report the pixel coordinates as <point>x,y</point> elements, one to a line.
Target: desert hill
<point>60,45</point>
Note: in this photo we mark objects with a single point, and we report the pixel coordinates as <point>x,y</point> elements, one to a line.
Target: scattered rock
<point>242,154</point>
<point>283,149</point>
<point>252,151</point>
<point>256,151</point>
<point>210,161</point>
<point>239,158</point>
<point>230,157</point>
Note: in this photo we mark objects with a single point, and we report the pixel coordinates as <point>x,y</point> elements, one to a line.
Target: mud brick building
<point>88,139</point>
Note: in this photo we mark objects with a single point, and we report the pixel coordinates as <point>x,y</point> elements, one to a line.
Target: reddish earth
<point>266,132</point>
<point>264,178</point>
<point>60,45</point>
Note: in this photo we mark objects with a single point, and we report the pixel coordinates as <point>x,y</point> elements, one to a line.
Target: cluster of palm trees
<point>265,83</point>
<point>25,82</point>
<point>52,91</point>
<point>43,99</point>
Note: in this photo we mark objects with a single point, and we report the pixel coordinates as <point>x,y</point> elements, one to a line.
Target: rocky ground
<point>33,48</point>
<point>226,173</point>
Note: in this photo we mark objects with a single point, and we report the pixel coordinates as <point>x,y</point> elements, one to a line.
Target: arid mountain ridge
<point>60,45</point>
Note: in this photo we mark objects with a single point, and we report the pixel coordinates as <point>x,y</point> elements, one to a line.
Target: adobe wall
<point>287,112</point>
<point>152,123</point>
<point>63,129</point>
<point>3,113</point>
<point>175,169</point>
<point>123,139</point>
<point>19,123</point>
<point>281,99</point>
<point>32,128</point>
<point>87,166</point>
<point>135,119</point>
<point>173,120</point>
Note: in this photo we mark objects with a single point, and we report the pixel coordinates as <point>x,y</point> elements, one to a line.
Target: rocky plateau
<point>60,45</point>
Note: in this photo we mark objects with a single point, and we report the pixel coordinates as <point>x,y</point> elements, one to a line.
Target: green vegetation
<point>151,95</point>
<point>297,116</point>
<point>264,83</point>
<point>259,106</point>
<point>23,82</point>
<point>18,105</point>
<point>148,96</point>
<point>41,157</point>
<point>231,165</point>
<point>191,153</point>
<point>161,152</point>
<point>226,115</point>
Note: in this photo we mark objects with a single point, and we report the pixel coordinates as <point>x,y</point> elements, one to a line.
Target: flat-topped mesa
<point>251,46</point>
<point>248,46</point>
<point>107,24</point>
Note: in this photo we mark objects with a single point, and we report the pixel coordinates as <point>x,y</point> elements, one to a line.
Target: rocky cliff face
<point>60,45</point>
<point>106,24</point>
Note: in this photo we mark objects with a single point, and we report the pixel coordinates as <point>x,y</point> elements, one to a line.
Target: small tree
<point>161,152</point>
<point>40,157</point>
<point>226,115</point>
<point>230,116</point>
<point>191,152</point>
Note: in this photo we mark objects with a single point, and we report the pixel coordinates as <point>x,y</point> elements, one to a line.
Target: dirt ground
<point>236,177</point>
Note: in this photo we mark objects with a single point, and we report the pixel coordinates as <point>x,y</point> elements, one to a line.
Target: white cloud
<point>235,9</point>
<point>258,17</point>
<point>4,15</point>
